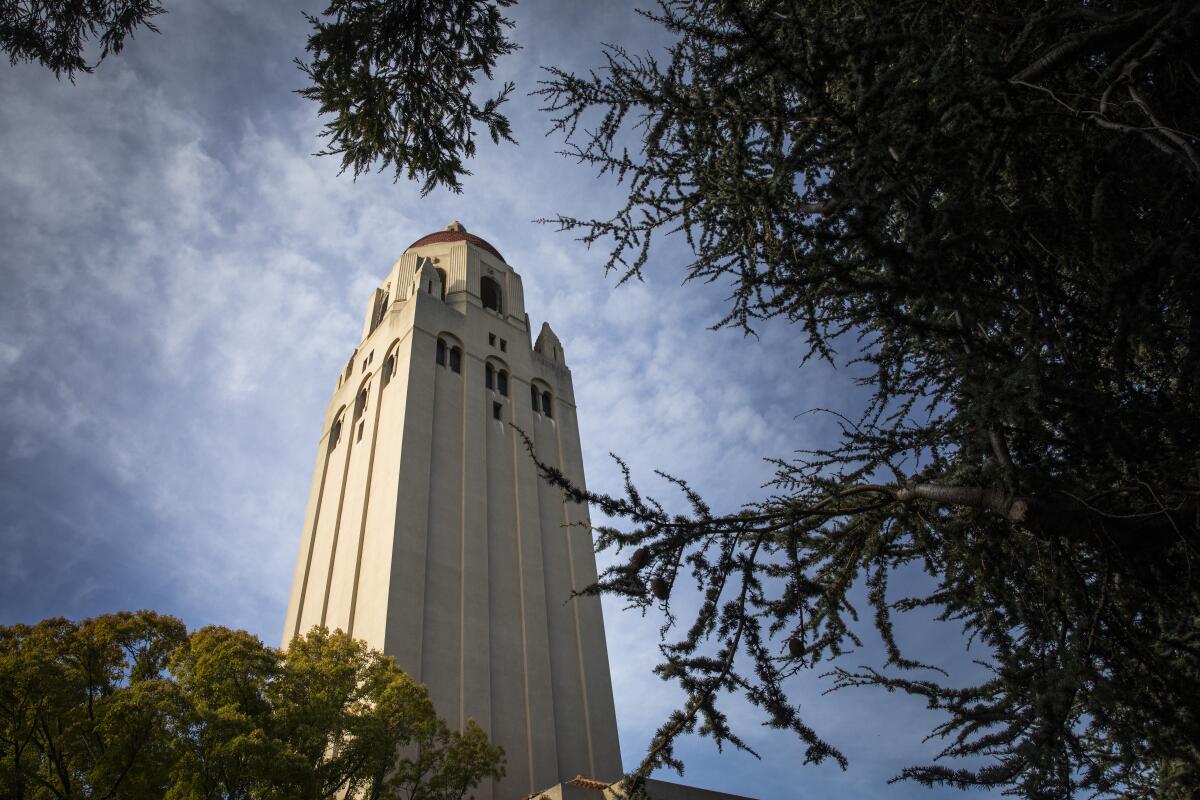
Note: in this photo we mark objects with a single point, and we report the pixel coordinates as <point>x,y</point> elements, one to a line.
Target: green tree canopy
<point>85,707</point>
<point>130,706</point>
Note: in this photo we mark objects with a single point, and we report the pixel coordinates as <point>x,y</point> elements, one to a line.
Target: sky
<point>181,280</point>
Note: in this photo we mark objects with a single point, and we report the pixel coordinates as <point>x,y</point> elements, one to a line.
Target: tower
<point>428,533</point>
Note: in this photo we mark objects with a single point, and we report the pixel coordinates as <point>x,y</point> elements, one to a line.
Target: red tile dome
<point>455,232</point>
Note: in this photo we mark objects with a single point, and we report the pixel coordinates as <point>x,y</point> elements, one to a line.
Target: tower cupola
<point>456,232</point>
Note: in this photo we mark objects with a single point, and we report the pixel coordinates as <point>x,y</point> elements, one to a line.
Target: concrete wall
<point>432,538</point>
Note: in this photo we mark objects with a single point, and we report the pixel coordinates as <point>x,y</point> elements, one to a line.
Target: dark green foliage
<point>129,706</point>
<point>993,207</point>
<point>55,32</point>
<point>397,76</point>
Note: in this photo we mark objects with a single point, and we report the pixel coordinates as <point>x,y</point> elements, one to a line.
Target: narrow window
<point>441,352</point>
<point>442,274</point>
<point>455,360</point>
<point>335,434</point>
<point>492,339</point>
<point>360,403</point>
<point>489,376</point>
<point>533,397</point>
<point>546,404</point>
<point>380,310</point>
<point>490,294</point>
<point>496,410</point>
<point>502,382</point>
<point>389,369</point>
<point>503,346</point>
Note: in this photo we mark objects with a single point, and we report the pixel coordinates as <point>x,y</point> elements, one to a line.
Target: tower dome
<point>456,232</point>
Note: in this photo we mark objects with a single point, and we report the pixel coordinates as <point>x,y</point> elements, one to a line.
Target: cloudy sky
<point>180,281</point>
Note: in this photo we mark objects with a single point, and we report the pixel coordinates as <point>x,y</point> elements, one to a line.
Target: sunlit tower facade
<point>428,533</point>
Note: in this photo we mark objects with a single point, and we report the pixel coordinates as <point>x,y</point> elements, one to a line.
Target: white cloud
<point>9,353</point>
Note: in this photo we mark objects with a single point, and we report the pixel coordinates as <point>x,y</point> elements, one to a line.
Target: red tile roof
<point>457,236</point>
<point>579,781</point>
<point>588,783</point>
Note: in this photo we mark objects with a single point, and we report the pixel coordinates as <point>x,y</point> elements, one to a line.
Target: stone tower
<point>428,533</point>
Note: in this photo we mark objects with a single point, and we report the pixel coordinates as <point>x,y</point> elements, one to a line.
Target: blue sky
<point>180,281</point>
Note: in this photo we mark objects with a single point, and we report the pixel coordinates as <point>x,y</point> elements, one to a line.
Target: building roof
<point>455,232</point>
<point>588,783</point>
<point>579,782</point>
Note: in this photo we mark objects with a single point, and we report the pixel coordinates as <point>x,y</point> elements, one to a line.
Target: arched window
<point>533,398</point>
<point>455,359</point>
<point>489,292</point>
<point>502,383</point>
<point>389,369</point>
<point>546,404</point>
<point>360,404</point>
<point>442,274</point>
<point>441,352</point>
<point>489,376</point>
<point>335,432</point>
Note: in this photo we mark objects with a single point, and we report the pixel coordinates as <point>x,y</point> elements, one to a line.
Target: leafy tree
<point>348,714</point>
<point>993,209</point>
<point>55,33</point>
<point>227,744</point>
<point>129,706</point>
<point>397,76</point>
<point>85,708</point>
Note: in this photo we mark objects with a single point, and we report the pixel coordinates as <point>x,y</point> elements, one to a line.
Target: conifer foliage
<point>55,33</point>
<point>993,207</point>
<point>396,76</point>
